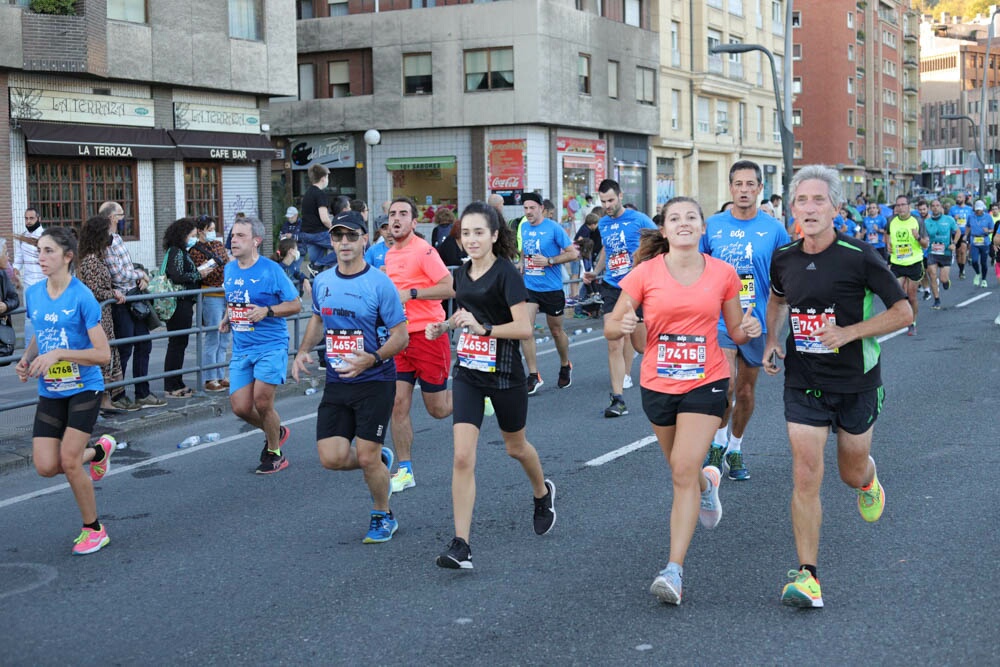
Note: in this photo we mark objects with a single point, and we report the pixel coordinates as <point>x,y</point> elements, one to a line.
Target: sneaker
<point>545,510</point>
<point>90,541</point>
<point>927,295</point>
<point>984,284</point>
<point>667,585</point>
<point>734,466</point>
<point>961,275</point>
<point>123,403</point>
<point>803,592</point>
<point>381,529</point>
<point>711,507</point>
<point>565,376</point>
<point>937,304</point>
<point>627,382</point>
<point>283,434</point>
<point>151,401</point>
<point>946,285</point>
<point>106,444</point>
<point>271,463</point>
<point>975,281</point>
<point>912,329</point>
<point>402,480</point>
<point>616,409</point>
<point>458,556</point>
<point>534,382</point>
<point>488,407</point>
<point>570,302</point>
<point>214,386</point>
<point>871,502</point>
<point>714,456</point>
<point>388,458</point>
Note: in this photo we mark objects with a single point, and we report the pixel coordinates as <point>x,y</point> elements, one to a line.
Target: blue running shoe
<point>382,528</point>
<point>714,456</point>
<point>388,458</point>
<point>667,585</point>
<point>735,467</point>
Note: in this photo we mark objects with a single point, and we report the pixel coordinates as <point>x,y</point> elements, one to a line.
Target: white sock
<point>734,443</point>
<point>720,437</point>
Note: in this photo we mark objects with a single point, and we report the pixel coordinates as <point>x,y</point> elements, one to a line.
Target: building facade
<point>473,98</point>
<point>856,91</point>
<point>952,73</point>
<point>716,109</point>
<point>161,107</point>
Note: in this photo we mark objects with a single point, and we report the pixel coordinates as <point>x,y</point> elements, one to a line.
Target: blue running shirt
<point>546,238</point>
<point>263,284</point>
<point>357,313</point>
<point>747,245</point>
<point>873,236</point>
<point>62,324</point>
<point>620,237</point>
<point>376,254</point>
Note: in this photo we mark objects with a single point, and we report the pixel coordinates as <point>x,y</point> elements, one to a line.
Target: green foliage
<point>65,7</point>
<point>966,9</point>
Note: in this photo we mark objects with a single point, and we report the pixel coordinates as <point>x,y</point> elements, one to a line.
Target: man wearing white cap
<point>292,226</point>
<point>979,230</point>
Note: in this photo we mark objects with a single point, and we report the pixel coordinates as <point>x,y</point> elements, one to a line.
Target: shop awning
<point>222,145</point>
<point>97,141</point>
<point>579,162</point>
<point>412,163</point>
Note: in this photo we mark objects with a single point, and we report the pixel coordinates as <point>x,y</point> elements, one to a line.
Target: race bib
<point>620,262</point>
<point>239,316</point>
<point>873,237</point>
<point>978,240</point>
<point>477,353</point>
<point>342,342</point>
<point>937,248</point>
<point>904,251</point>
<point>680,357</point>
<point>63,376</point>
<point>748,291</point>
<point>533,269</point>
<point>804,326</point>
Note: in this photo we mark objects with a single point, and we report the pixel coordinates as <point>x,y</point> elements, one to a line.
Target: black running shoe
<point>545,510</point>
<point>534,382</point>
<point>283,434</point>
<point>565,376</point>
<point>457,557</point>
<point>616,409</point>
<point>272,463</point>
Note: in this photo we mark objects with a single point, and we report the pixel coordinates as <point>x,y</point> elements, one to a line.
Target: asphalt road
<point>211,564</point>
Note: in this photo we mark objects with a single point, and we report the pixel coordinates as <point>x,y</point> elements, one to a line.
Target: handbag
<point>161,284</point>
<point>140,310</point>
<point>8,340</point>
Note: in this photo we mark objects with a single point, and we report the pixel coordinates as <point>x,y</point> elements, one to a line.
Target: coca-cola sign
<point>506,164</point>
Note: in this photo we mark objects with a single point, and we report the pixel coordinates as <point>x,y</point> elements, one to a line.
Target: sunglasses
<point>350,236</point>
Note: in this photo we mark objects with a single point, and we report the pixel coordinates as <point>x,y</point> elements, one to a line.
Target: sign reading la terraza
<point>63,107</point>
<point>207,118</point>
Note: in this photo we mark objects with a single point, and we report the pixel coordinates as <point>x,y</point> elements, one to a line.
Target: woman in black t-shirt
<point>492,315</point>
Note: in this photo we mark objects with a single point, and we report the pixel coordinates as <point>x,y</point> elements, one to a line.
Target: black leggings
<point>177,345</point>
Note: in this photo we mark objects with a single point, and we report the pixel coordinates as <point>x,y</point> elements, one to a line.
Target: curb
<point>128,427</point>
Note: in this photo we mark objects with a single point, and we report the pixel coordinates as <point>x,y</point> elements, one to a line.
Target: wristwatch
<point>413,293</point>
<point>270,311</point>
<point>550,261</point>
<point>487,329</point>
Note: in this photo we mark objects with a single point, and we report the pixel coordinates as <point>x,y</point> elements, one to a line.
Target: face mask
<point>210,235</point>
<point>191,242</point>
<point>295,255</point>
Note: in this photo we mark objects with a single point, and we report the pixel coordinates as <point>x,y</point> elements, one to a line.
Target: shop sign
<point>596,149</point>
<point>333,151</point>
<point>63,107</point>
<point>208,118</point>
<point>506,164</point>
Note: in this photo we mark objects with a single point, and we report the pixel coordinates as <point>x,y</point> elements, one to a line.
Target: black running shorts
<point>662,409</point>
<point>360,409</point>
<point>855,412</point>
<point>511,405</point>
<point>54,415</point>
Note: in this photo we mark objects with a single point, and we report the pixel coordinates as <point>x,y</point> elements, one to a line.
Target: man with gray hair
<point>258,297</point>
<point>821,286</point>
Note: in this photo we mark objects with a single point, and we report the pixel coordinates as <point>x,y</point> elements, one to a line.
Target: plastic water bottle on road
<point>212,437</point>
<point>188,442</point>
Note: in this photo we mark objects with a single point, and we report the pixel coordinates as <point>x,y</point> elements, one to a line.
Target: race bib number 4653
<point>680,357</point>
<point>478,353</point>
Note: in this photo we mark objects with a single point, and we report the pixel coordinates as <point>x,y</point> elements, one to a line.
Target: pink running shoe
<point>90,541</point>
<point>107,444</point>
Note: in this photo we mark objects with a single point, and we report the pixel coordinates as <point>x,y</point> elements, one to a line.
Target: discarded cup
<point>122,445</point>
<point>310,391</point>
<point>188,442</point>
<point>212,437</point>
<point>589,329</point>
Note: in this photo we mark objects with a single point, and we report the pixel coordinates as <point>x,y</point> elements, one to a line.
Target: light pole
<point>982,103</point>
<point>975,146</point>
<point>787,138</point>
<point>372,139</point>
<point>886,153</point>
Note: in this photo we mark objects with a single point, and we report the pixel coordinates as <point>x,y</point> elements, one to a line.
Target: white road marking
<point>892,335</point>
<point>621,451</point>
<point>974,299</point>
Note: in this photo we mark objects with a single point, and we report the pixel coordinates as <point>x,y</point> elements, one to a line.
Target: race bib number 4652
<point>342,342</point>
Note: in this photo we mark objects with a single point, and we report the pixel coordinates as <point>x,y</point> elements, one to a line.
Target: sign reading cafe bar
<point>63,107</point>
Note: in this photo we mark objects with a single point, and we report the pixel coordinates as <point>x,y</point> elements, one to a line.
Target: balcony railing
<point>715,63</point>
<point>736,71</point>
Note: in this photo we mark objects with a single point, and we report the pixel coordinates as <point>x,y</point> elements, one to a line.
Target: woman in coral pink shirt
<point>684,373</point>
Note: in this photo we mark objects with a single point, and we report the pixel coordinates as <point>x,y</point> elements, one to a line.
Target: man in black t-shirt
<point>822,286</point>
<point>316,218</point>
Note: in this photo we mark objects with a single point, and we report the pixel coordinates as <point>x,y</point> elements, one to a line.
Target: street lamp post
<point>975,146</point>
<point>372,139</point>
<point>787,138</point>
<point>886,154</point>
<point>982,103</point>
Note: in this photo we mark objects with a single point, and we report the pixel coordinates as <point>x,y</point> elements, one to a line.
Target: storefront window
<point>577,183</point>
<point>631,179</point>
<point>67,193</point>
<point>428,188</point>
<point>203,190</point>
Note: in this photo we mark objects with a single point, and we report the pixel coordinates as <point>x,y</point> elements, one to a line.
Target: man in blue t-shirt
<point>874,230</point>
<point>356,310</point>
<point>943,233</point>
<point>980,234</point>
<point>961,212</point>
<point>375,255</point>
<point>545,245</point>
<point>258,296</point>
<point>745,238</point>
<point>620,230</point>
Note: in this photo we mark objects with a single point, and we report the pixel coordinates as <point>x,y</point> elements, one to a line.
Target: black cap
<point>351,220</point>
<point>531,196</point>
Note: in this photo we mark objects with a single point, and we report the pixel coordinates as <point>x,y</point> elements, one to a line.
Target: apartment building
<point>856,91</point>
<point>159,106</point>
<point>471,98</point>
<point>952,72</point>
<point>717,109</point>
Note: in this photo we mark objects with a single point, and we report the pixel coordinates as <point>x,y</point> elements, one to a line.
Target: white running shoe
<point>627,384</point>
